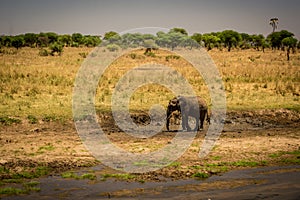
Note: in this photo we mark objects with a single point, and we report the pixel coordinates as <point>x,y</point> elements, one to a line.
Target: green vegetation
<point>34,173</point>
<point>200,175</point>
<point>73,175</point>
<point>9,120</point>
<point>32,119</point>
<point>27,187</point>
<point>70,175</point>
<point>52,40</point>
<point>176,37</point>
<point>175,164</point>
<point>89,176</point>
<point>48,147</point>
<point>286,157</point>
<point>12,191</point>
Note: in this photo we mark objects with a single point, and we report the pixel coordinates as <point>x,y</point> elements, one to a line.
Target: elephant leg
<point>202,118</point>
<point>168,123</point>
<point>183,124</point>
<point>169,115</point>
<point>188,128</point>
<point>197,124</point>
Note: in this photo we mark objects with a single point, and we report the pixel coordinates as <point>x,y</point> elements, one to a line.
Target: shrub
<point>113,47</point>
<point>43,52</point>
<point>32,119</point>
<point>9,120</point>
<point>56,47</point>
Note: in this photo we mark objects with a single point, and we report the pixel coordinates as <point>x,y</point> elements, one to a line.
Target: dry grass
<point>257,80</point>
<point>42,86</point>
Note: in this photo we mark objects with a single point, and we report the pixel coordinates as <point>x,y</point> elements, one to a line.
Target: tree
<point>179,30</point>
<point>230,38</point>
<point>65,40</point>
<point>56,47</point>
<point>18,41</point>
<point>276,38</point>
<point>91,41</point>
<point>163,40</point>
<point>174,39</point>
<point>6,41</point>
<point>77,38</point>
<point>258,41</point>
<point>52,37</point>
<point>210,41</point>
<point>290,43</point>
<point>246,41</point>
<point>30,39</point>
<point>189,42</point>
<point>109,34</point>
<point>42,40</point>
<point>197,37</point>
<point>274,22</point>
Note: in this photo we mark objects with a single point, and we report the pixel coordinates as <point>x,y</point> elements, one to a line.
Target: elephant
<point>189,106</point>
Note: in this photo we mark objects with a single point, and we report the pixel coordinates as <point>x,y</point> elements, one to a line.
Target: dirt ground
<point>256,138</point>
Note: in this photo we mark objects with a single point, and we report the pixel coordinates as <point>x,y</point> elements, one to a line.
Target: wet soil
<point>257,183</point>
<point>259,137</point>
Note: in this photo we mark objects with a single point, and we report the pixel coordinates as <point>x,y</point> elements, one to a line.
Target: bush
<point>56,47</point>
<point>9,120</point>
<point>32,119</point>
<point>113,47</point>
<point>43,52</point>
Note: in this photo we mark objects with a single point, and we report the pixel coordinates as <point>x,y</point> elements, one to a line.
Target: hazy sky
<point>98,17</point>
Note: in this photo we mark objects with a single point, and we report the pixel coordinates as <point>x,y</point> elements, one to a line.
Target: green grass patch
<point>281,153</point>
<point>70,175</point>
<point>73,175</point>
<point>36,173</point>
<point>291,161</point>
<point>48,147</point>
<point>3,170</point>
<point>217,157</point>
<point>89,176</point>
<point>12,180</point>
<point>200,175</point>
<point>12,191</point>
<point>31,186</point>
<point>32,119</point>
<point>9,121</point>
<point>175,164</point>
<point>243,163</point>
<point>49,118</point>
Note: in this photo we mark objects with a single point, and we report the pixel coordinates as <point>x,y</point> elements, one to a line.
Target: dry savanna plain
<point>38,136</point>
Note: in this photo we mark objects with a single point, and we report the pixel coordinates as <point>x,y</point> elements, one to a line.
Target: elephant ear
<point>181,101</point>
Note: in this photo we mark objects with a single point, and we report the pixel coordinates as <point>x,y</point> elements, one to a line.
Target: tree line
<point>50,40</point>
<point>176,37</point>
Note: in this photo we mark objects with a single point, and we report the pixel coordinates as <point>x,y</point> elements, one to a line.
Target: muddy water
<point>256,183</point>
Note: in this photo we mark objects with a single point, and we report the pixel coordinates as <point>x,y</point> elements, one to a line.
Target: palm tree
<point>274,23</point>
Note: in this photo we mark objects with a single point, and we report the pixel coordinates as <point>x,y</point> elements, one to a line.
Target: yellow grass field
<point>38,136</point>
<point>42,86</point>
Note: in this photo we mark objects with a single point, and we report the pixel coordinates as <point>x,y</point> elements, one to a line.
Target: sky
<point>96,17</point>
